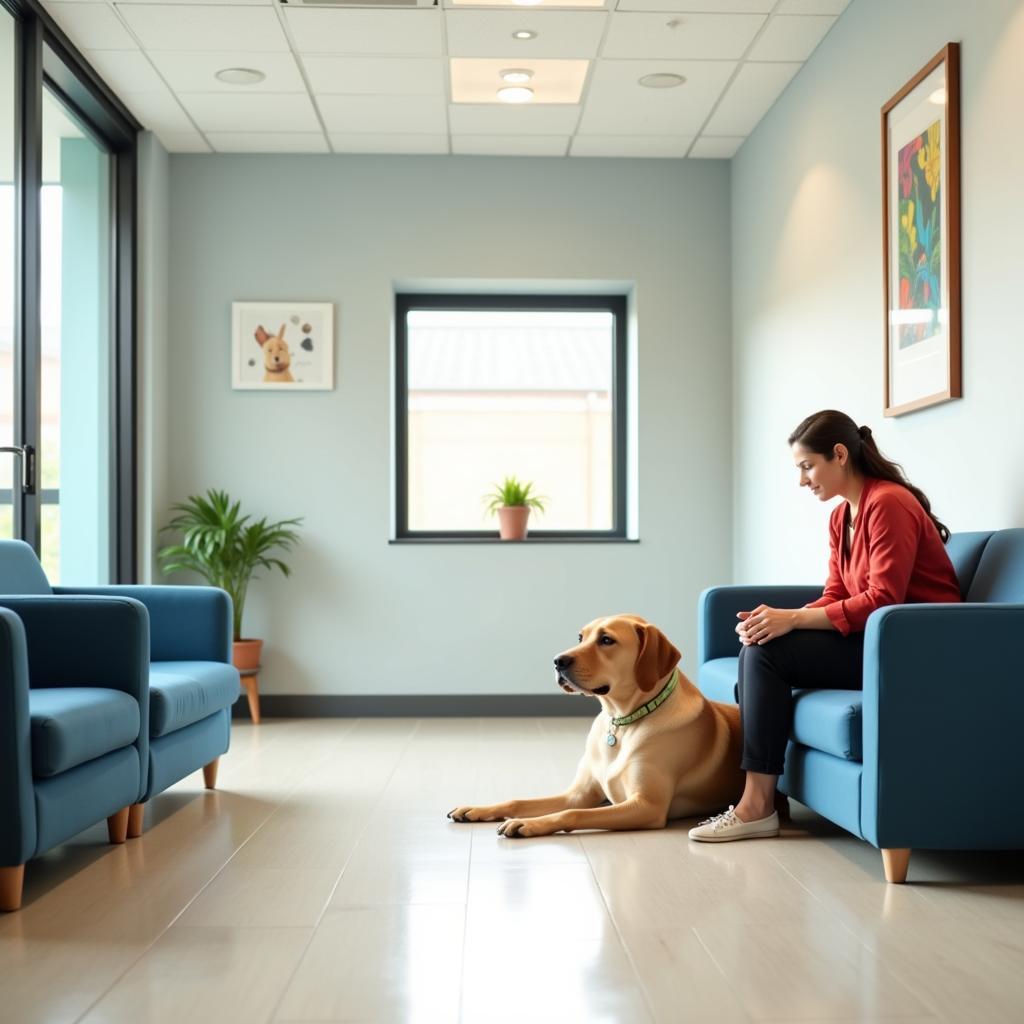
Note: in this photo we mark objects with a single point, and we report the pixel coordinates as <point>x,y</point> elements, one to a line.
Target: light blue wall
<point>360,615</point>
<point>807,278</point>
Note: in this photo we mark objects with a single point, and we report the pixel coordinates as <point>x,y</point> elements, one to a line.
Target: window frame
<point>46,59</point>
<point>616,304</point>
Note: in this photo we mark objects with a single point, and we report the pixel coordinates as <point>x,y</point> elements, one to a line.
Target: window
<point>525,386</point>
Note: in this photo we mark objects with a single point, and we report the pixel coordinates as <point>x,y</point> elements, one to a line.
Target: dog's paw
<point>525,828</point>
<point>473,814</point>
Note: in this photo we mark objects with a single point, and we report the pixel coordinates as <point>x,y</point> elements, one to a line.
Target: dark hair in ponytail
<point>822,431</point>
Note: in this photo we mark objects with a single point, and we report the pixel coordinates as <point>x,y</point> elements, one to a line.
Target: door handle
<point>26,456</point>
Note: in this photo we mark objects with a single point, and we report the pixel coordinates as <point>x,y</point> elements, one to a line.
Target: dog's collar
<point>643,710</point>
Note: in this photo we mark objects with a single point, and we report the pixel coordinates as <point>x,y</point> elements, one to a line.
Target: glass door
<point>74,451</point>
<point>8,270</point>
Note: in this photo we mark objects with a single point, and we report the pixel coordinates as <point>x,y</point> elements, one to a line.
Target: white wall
<point>360,615</point>
<point>807,279</point>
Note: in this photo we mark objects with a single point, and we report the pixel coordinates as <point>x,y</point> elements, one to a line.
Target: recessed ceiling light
<point>524,33</point>
<point>527,3</point>
<point>515,76</point>
<point>515,94</point>
<point>240,76</point>
<point>661,80</point>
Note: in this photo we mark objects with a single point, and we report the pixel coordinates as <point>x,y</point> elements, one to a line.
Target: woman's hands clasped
<point>764,624</point>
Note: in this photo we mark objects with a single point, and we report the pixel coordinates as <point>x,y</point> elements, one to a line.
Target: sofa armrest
<point>717,608</point>
<point>942,713</point>
<point>186,623</point>
<point>17,800</point>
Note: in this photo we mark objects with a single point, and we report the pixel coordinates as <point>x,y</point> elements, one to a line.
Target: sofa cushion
<point>1000,572</point>
<point>74,724</point>
<point>717,679</point>
<point>183,692</point>
<point>830,721</point>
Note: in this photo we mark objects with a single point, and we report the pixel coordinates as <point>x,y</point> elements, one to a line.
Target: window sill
<point>578,539</point>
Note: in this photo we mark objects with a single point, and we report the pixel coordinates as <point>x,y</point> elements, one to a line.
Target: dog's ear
<point>280,333</point>
<point>657,657</point>
<point>261,335</point>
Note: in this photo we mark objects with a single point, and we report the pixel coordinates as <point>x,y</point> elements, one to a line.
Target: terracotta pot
<point>512,521</point>
<point>246,654</point>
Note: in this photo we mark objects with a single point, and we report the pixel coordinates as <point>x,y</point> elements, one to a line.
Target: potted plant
<point>512,501</point>
<point>226,548</point>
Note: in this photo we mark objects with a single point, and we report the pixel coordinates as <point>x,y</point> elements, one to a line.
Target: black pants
<point>804,659</point>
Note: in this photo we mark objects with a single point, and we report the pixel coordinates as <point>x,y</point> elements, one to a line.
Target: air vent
<point>360,3</point>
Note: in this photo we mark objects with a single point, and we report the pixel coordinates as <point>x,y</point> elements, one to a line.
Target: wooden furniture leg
<point>895,863</point>
<point>117,826</point>
<point>11,882</point>
<point>210,773</point>
<point>135,815</point>
<point>251,682</point>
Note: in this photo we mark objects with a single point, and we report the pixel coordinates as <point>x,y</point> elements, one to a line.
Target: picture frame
<point>282,346</point>
<point>921,237</point>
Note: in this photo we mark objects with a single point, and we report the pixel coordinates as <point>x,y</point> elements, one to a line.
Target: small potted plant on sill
<point>512,501</point>
<point>226,549</point>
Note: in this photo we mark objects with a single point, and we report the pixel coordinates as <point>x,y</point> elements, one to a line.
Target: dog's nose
<point>564,661</point>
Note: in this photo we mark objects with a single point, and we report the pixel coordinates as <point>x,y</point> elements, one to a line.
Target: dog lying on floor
<point>659,749</point>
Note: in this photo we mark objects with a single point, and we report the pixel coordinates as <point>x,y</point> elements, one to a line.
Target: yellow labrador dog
<point>677,756</point>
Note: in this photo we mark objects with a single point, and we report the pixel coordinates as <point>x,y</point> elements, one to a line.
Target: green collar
<point>651,705</point>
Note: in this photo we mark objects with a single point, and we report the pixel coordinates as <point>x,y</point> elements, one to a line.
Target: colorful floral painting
<point>920,168</point>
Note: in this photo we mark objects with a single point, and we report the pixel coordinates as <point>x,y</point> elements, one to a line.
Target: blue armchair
<point>925,755</point>
<point>74,745</point>
<point>187,658</point>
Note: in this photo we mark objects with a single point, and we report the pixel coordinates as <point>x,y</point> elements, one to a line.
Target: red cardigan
<point>896,557</point>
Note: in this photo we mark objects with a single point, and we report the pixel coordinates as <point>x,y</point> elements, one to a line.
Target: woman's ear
<point>841,453</point>
<point>657,657</point>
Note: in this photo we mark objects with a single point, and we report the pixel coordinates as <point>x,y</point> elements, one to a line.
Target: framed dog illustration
<point>282,346</point>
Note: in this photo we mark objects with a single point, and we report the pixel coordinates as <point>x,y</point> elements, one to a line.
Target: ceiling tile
<point>716,148</point>
<point>499,119</point>
<point>268,142</point>
<point>375,143</point>
<point>194,72</point>
<point>681,36</point>
<point>835,7</point>
<point>674,146</point>
<point>183,142</point>
<point>397,33</point>
<point>158,111</point>
<point>791,38</point>
<point>125,70</point>
<point>524,3</point>
<point>510,145</point>
<point>385,76</point>
<point>420,115</point>
<point>559,33</point>
<point>234,112</point>
<point>752,92</point>
<point>190,28</point>
<point>92,26</point>
<point>617,104</point>
<point>698,6</point>
<point>478,79</point>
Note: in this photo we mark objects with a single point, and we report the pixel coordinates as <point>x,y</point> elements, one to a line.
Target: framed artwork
<point>282,346</point>
<point>921,237</point>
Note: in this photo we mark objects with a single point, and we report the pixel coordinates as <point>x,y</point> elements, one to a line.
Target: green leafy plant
<point>224,546</point>
<point>513,492</point>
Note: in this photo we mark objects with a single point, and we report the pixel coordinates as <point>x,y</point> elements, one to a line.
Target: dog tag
<point>610,740</point>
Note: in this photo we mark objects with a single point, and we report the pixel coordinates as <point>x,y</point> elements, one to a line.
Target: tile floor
<point>321,882</point>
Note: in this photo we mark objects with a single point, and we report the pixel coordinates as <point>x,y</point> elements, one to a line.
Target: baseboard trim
<point>428,706</point>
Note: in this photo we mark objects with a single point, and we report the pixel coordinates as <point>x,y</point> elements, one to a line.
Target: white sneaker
<point>725,827</point>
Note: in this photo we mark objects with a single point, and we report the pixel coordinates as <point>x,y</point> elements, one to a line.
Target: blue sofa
<point>925,756</point>
<point>185,689</point>
<point>75,744</point>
